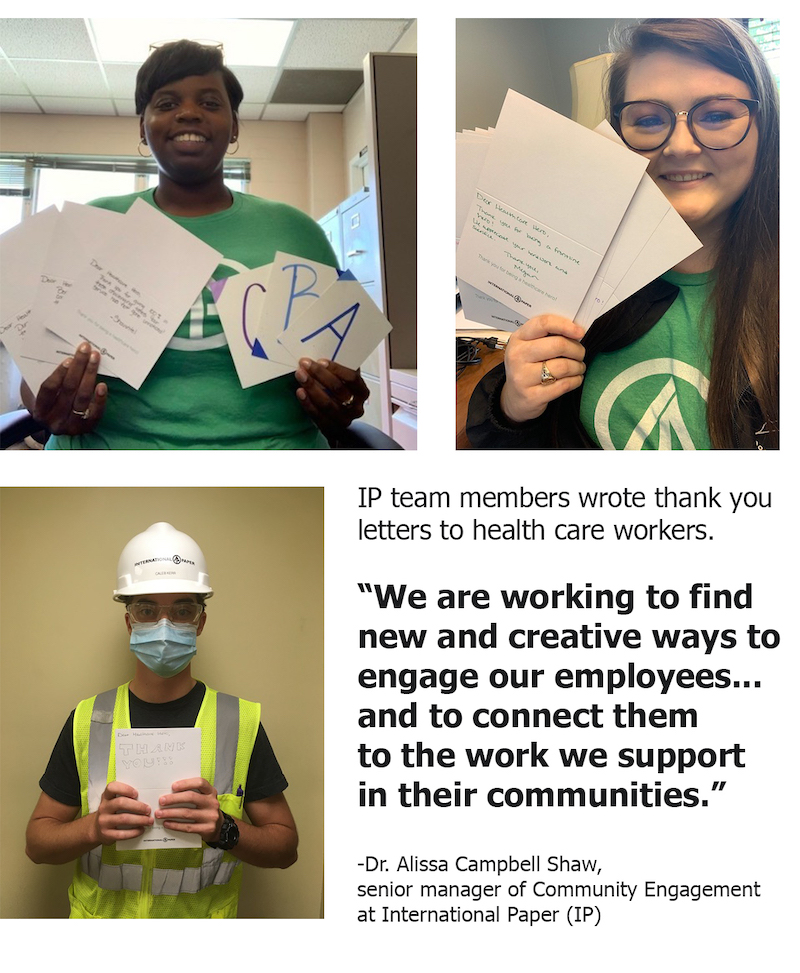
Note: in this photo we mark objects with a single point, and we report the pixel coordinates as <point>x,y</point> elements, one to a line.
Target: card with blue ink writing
<point>295,284</point>
<point>152,760</point>
<point>239,300</point>
<point>344,326</point>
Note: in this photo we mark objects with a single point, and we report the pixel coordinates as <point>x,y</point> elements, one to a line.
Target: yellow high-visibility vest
<point>191,883</point>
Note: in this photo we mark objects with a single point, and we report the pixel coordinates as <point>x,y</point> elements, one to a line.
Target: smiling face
<point>702,184</point>
<point>188,125</point>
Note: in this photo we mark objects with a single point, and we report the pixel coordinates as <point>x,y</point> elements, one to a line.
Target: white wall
<point>530,56</point>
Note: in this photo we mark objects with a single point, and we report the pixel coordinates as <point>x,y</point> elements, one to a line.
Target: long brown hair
<point>745,298</point>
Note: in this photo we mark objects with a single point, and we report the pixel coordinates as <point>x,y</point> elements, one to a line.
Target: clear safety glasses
<point>182,613</point>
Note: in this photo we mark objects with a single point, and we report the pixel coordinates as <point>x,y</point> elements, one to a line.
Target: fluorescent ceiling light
<point>259,43</point>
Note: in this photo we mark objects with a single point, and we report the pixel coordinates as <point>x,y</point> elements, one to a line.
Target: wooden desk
<point>465,384</point>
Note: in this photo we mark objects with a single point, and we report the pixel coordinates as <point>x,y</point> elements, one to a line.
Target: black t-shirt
<point>61,780</point>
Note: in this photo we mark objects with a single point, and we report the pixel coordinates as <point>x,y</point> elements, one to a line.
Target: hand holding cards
<point>124,288</point>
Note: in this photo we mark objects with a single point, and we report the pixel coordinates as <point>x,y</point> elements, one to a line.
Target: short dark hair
<point>180,59</point>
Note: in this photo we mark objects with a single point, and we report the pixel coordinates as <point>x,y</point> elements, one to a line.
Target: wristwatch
<point>228,834</point>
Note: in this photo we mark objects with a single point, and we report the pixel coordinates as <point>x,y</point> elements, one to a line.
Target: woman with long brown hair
<point>691,360</point>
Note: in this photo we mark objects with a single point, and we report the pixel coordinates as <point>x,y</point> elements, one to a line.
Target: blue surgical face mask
<point>163,646</point>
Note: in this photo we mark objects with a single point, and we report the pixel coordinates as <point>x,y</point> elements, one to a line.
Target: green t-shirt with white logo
<point>652,394</point>
<point>192,399</point>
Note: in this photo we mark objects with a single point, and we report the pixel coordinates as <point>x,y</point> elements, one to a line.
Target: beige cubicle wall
<point>63,639</point>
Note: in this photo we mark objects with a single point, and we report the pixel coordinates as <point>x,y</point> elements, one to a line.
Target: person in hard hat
<point>84,810</point>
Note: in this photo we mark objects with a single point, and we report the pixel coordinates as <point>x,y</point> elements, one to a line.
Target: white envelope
<point>651,239</point>
<point>548,202</point>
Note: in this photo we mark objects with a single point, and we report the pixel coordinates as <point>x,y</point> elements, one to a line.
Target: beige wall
<point>354,118</point>
<point>326,174</point>
<point>294,162</point>
<point>63,639</point>
<point>408,42</point>
<point>355,129</point>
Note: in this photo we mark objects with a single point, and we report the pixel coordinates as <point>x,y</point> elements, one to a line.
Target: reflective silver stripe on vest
<point>100,732</point>
<point>227,742</point>
<point>166,881</point>
<point>213,871</point>
<point>113,878</point>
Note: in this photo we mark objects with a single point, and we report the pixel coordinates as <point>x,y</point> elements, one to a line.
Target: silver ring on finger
<point>83,415</point>
<point>348,402</point>
<point>547,376</point>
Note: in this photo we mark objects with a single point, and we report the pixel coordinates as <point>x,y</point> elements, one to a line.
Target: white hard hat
<point>161,559</point>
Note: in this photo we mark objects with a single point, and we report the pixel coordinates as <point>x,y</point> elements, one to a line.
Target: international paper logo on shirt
<point>652,393</point>
<point>659,403</point>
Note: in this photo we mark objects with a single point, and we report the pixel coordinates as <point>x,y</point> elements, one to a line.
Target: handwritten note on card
<point>151,760</point>
<point>529,262</point>
<point>136,290</point>
<point>548,201</point>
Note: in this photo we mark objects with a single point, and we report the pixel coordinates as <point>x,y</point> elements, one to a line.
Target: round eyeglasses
<point>716,123</point>
<point>182,613</point>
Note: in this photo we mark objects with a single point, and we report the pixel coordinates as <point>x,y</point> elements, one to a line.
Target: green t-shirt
<point>192,398</point>
<point>652,394</point>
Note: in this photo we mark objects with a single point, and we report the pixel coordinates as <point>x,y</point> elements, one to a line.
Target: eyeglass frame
<point>752,109</point>
<point>168,609</point>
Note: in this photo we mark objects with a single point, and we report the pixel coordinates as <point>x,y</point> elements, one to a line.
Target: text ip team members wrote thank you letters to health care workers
<point>565,708</point>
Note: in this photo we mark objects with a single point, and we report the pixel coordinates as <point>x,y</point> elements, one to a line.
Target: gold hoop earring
<point>236,143</point>
<point>144,155</point>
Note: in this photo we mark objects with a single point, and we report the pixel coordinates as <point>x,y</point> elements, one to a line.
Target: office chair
<point>16,426</point>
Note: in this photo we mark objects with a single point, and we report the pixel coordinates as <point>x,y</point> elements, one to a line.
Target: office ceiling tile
<point>341,43</point>
<point>125,107</point>
<point>256,82</point>
<point>52,62</point>
<point>49,38</point>
<point>251,112</point>
<point>19,103</point>
<point>61,78</point>
<point>76,106</point>
<point>296,113</point>
<point>298,87</point>
<point>121,79</point>
<point>10,83</point>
